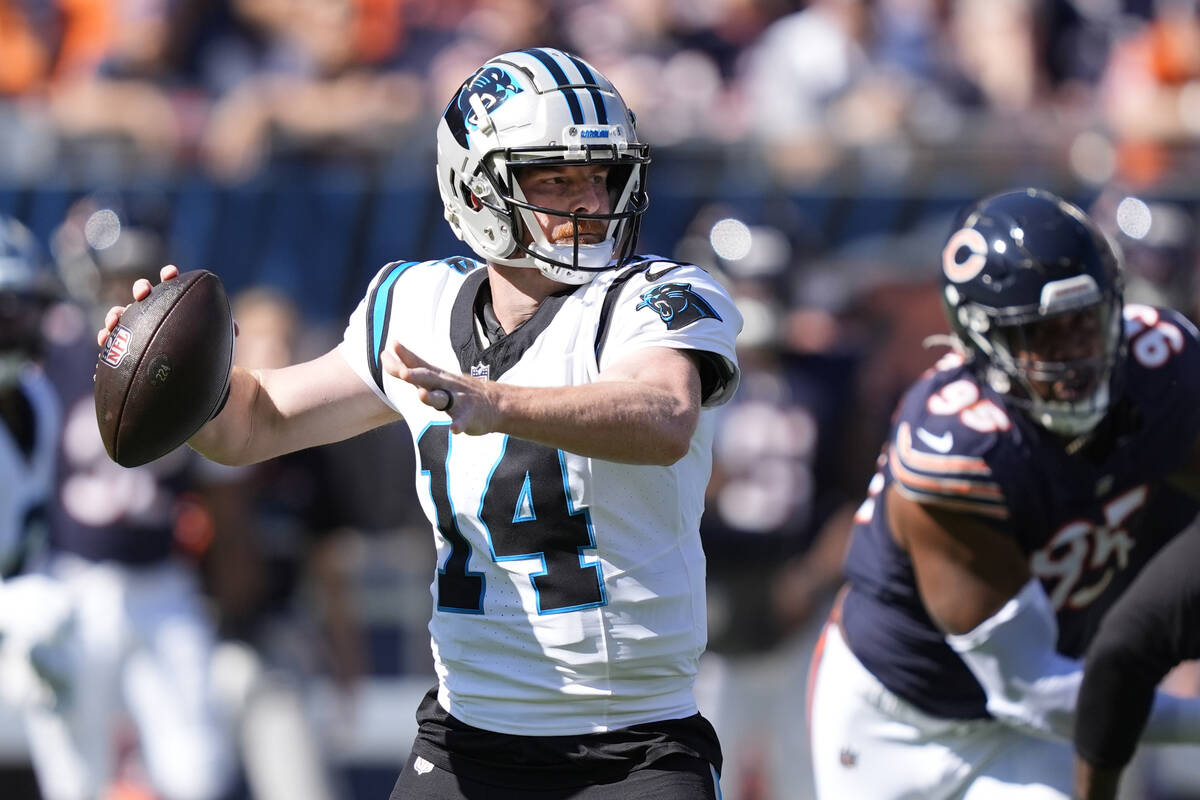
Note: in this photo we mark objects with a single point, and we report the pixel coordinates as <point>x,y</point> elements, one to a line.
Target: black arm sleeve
<point>715,372</point>
<point>1154,626</point>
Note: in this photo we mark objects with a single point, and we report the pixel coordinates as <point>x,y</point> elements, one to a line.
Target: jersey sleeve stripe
<point>933,462</point>
<point>941,501</point>
<point>612,294</point>
<point>379,315</point>
<point>557,73</point>
<point>986,491</point>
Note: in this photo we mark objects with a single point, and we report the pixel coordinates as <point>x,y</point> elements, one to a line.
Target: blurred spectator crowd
<point>1095,88</point>
<point>809,153</point>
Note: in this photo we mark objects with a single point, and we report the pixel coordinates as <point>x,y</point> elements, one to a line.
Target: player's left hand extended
<point>469,402</point>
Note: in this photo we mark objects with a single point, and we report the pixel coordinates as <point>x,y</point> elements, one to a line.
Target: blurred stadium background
<point>811,153</point>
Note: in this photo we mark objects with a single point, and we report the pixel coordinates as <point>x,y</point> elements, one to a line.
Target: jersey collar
<point>500,355</point>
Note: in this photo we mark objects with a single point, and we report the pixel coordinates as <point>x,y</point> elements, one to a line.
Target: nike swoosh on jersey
<point>651,277</point>
<point>941,444</point>
<point>956,482</point>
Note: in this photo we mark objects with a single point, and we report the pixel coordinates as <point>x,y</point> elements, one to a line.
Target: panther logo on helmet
<point>493,86</point>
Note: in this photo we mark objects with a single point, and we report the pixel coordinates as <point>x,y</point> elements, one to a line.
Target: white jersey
<point>28,476</point>
<point>569,592</point>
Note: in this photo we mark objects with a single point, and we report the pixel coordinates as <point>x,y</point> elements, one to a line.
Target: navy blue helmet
<point>1033,291</point>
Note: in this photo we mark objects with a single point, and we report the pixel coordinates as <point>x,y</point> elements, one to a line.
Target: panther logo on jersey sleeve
<point>678,305</point>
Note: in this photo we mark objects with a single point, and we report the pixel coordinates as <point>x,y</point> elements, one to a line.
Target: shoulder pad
<point>460,264</point>
<point>390,272</point>
<point>947,433</point>
<point>1161,341</point>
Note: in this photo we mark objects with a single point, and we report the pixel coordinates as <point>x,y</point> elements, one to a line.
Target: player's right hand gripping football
<point>141,288</point>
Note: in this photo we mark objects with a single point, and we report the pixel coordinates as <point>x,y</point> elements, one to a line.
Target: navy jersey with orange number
<point>1088,521</point>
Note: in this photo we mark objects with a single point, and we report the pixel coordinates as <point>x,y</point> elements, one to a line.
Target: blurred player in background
<point>36,613</point>
<point>27,404</point>
<point>277,578</point>
<point>1028,478</point>
<point>558,392</point>
<point>143,638</point>
<point>775,526</point>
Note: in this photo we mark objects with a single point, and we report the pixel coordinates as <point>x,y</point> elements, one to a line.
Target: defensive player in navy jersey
<point>559,393</point>
<point>1026,481</point>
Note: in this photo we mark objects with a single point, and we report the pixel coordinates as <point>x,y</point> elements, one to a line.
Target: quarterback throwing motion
<point>557,391</point>
<point>1027,480</point>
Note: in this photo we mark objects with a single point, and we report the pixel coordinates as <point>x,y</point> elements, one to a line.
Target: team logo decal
<point>492,86</point>
<point>116,346</point>
<point>964,255</point>
<point>677,304</point>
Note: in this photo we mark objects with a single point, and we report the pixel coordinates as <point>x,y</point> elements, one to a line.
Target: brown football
<point>164,369</point>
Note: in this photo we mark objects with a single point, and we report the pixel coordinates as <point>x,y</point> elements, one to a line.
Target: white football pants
<point>144,642</point>
<point>868,744</point>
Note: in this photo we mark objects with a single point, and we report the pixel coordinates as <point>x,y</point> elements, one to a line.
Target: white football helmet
<point>538,107</point>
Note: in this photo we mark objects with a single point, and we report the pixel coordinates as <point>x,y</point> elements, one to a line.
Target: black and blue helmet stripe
<point>560,76</point>
<point>589,78</point>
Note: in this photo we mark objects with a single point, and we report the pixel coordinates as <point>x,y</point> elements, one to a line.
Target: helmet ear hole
<point>460,188</point>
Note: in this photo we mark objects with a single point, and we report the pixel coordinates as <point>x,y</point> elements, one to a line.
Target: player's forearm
<point>275,411</point>
<point>623,421</point>
<point>1031,686</point>
<point>1114,709</point>
<point>1095,783</point>
<point>226,437</point>
<point>262,418</point>
<point>1151,628</point>
<point>1012,654</point>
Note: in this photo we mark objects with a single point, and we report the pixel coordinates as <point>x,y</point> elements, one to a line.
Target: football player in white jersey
<point>32,645</point>
<point>558,391</point>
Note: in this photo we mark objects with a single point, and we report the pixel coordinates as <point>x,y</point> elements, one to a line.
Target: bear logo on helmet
<point>965,255</point>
